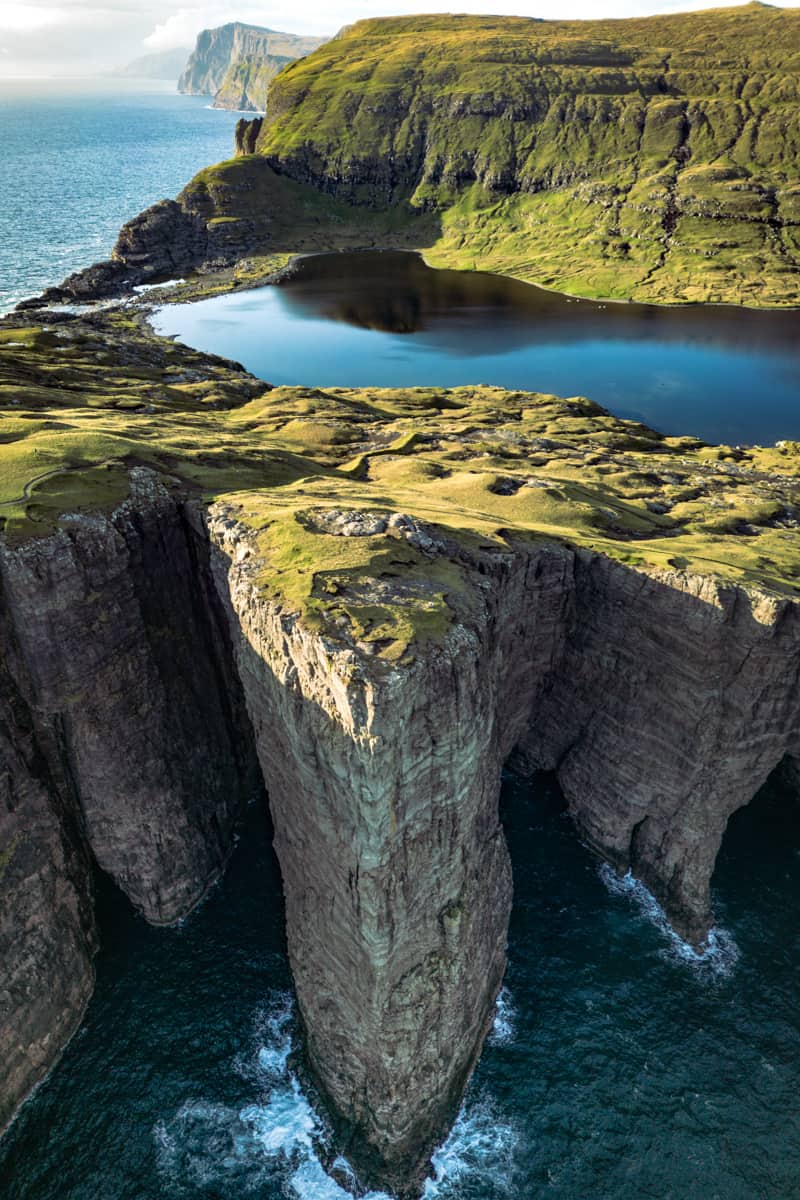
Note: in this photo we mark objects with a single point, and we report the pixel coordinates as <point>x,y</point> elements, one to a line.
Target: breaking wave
<point>720,954</point>
<point>503,1030</point>
<point>275,1146</point>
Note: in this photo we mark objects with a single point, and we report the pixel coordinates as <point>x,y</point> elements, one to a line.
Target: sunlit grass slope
<point>480,468</point>
<point>655,159</point>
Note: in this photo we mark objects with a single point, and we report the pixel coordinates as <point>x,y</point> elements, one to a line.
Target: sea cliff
<point>652,159</point>
<point>379,596</point>
<point>236,62</point>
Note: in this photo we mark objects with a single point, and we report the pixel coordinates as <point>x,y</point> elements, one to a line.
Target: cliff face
<point>619,155</point>
<point>123,739</point>
<point>238,59</point>
<point>698,678</point>
<point>391,593</point>
<point>397,931</point>
<point>245,83</point>
<point>662,702</point>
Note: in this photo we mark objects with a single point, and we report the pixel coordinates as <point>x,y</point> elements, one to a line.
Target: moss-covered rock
<point>433,472</point>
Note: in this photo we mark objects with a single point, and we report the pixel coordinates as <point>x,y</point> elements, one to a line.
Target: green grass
<point>653,159</point>
<point>477,465</point>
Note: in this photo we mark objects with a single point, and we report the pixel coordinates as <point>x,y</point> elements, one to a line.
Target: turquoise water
<point>619,1069</point>
<point>387,320</point>
<point>82,157</point>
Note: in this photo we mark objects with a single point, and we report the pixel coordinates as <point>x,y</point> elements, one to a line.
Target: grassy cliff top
<point>655,159</point>
<point>468,470</point>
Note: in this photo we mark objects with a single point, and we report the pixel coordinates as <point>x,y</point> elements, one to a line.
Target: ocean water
<point>620,1066</point>
<point>387,320</point>
<point>81,157</point>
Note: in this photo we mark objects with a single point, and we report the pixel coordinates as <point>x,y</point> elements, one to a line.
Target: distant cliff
<point>167,64</point>
<point>235,63</point>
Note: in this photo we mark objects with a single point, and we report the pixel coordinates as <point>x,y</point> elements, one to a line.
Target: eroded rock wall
<point>123,738</point>
<point>144,656</point>
<point>675,699</point>
<point>384,785</point>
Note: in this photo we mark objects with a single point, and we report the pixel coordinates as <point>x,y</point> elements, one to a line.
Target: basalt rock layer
<point>381,595</point>
<point>236,62</point>
<point>652,159</point>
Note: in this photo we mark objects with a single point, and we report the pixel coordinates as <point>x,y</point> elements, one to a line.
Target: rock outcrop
<point>156,245</point>
<point>235,63</point>
<point>393,592</point>
<point>246,136</point>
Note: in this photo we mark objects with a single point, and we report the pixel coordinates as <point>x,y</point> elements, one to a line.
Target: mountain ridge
<point>235,62</point>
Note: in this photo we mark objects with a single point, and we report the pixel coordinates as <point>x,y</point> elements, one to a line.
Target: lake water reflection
<point>386,319</point>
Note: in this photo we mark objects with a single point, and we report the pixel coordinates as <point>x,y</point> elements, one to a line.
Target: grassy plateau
<point>478,469</point>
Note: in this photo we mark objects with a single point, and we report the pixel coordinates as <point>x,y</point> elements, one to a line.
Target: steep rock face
<point>217,50</point>
<point>122,737</point>
<point>134,644</point>
<point>675,699</point>
<point>156,244</point>
<point>384,786</point>
<point>47,933</point>
<point>244,86</point>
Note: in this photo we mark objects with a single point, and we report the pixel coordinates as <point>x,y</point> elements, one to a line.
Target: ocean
<point>81,157</point>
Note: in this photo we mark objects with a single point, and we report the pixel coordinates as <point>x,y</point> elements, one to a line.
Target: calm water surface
<point>386,319</point>
<point>617,1070</point>
<point>81,157</point>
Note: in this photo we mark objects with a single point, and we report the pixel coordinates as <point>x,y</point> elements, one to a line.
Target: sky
<point>83,37</point>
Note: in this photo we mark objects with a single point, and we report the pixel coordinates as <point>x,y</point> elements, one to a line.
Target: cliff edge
<point>379,596</point>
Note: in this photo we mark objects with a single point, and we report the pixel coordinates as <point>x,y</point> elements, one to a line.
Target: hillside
<point>654,158</point>
<point>235,62</point>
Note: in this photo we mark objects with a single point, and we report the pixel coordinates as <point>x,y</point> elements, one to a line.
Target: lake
<point>385,319</point>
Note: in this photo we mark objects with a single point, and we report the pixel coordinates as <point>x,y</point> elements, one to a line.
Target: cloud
<point>28,18</point>
<point>181,28</point>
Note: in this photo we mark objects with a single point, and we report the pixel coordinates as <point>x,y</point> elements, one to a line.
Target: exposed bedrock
<point>123,737</point>
<point>144,656</point>
<point>384,786</point>
<point>674,701</point>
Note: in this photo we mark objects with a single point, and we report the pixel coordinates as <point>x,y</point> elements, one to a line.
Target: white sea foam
<point>278,1139</point>
<point>477,1156</point>
<point>720,953</point>
<point>503,1031</point>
